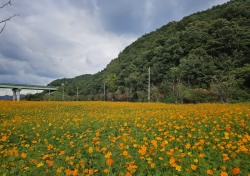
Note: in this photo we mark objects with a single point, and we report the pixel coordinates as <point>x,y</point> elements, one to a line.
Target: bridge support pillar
<point>16,94</point>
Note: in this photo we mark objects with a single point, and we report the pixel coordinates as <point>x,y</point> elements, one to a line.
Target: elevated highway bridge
<point>16,88</point>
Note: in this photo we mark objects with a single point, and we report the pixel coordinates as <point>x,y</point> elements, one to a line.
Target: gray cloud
<point>142,16</point>
<point>51,39</point>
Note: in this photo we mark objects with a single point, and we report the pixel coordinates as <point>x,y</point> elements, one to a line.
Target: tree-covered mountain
<point>205,57</point>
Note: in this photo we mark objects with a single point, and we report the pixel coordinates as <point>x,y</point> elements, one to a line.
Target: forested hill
<point>205,57</point>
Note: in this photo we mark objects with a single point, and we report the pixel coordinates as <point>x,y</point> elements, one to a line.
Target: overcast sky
<point>53,39</point>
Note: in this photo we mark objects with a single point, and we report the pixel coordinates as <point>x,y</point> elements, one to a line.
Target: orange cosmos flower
<point>106,170</point>
<point>171,161</point>
<point>97,134</point>
<point>236,171</point>
<point>50,162</point>
<point>128,174</point>
<point>223,174</point>
<point>131,167</point>
<point>193,167</point>
<point>228,128</point>
<point>201,155</point>
<point>243,149</point>
<point>209,172</point>
<point>49,147</point>
<point>187,146</point>
<point>4,138</point>
<point>143,150</point>
<point>109,161</point>
<point>74,172</point>
<point>62,152</point>
<point>23,155</point>
<point>68,172</point>
<point>150,151</point>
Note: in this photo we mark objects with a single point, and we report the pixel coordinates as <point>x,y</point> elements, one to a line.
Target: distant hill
<point>6,97</point>
<point>9,97</point>
<point>205,57</point>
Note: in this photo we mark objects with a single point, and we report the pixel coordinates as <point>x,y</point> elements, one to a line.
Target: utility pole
<point>149,84</point>
<point>49,94</point>
<point>77,94</point>
<point>104,90</point>
<point>63,92</point>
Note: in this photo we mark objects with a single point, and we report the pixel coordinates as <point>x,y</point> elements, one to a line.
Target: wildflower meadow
<point>110,138</point>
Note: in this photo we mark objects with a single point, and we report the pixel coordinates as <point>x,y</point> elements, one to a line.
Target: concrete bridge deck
<point>16,88</point>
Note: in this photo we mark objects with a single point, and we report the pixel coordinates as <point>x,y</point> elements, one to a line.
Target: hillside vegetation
<point>202,58</point>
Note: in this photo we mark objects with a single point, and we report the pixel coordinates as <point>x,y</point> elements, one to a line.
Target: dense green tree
<point>198,68</point>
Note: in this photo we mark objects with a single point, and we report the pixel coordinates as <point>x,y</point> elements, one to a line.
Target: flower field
<point>105,138</point>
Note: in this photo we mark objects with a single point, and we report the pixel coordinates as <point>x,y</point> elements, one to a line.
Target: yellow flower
<point>178,168</point>
<point>135,145</point>
<point>125,153</point>
<point>59,170</point>
<point>152,165</point>
<point>49,147</point>
<point>108,155</point>
<point>91,171</point>
<point>90,149</point>
<point>154,143</point>
<point>40,164</point>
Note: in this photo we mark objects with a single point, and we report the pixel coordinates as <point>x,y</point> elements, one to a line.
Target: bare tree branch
<point>5,22</point>
<point>8,18</point>
<point>3,28</point>
<point>5,4</point>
